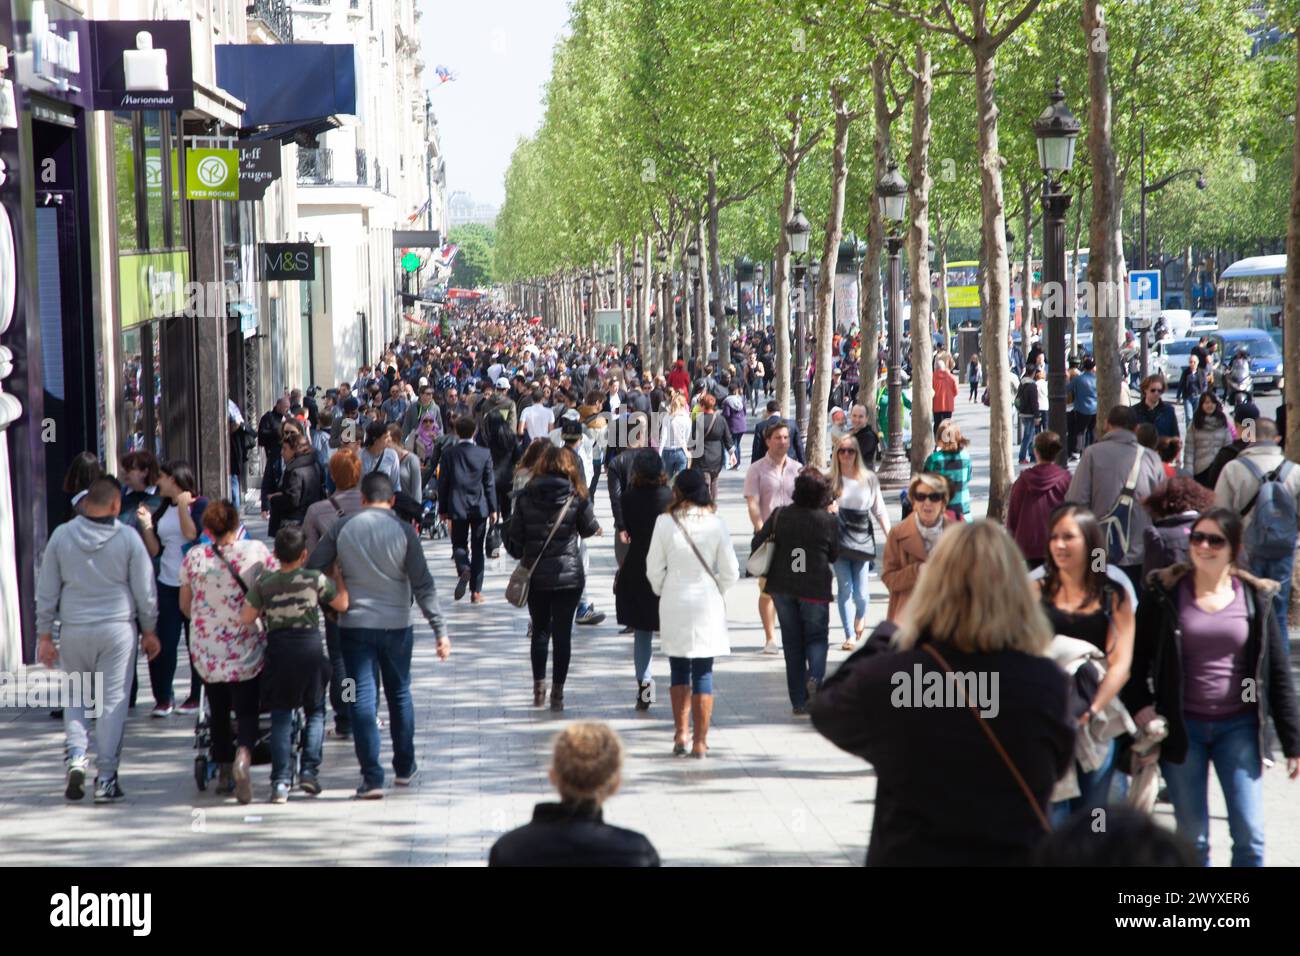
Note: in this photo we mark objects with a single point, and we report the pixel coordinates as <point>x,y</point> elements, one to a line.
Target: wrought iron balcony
<point>276,15</point>
<point>316,165</point>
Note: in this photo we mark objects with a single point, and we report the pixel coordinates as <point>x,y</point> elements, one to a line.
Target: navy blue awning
<point>289,88</point>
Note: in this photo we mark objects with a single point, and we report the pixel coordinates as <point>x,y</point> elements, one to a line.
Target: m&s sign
<point>288,260</point>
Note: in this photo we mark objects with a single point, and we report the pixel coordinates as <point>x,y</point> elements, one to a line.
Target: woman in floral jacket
<point>226,654</point>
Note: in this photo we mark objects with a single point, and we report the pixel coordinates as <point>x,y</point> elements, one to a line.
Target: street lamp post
<point>1146,189</point>
<point>664,310</point>
<point>801,350</point>
<point>797,230</point>
<point>759,307</point>
<point>693,261</point>
<point>1056,130</point>
<point>891,193</point>
<point>638,274</point>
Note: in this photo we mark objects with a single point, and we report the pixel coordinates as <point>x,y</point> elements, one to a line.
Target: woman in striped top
<point>951,460</point>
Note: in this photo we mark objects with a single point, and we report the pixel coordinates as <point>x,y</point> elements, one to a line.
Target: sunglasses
<point>1215,541</point>
<point>933,496</point>
<point>847,451</point>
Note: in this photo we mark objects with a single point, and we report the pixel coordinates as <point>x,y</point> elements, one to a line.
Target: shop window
<point>156,236</point>
<point>128,222</point>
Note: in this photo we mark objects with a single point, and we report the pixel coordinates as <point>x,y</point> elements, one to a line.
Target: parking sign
<point>1144,294</point>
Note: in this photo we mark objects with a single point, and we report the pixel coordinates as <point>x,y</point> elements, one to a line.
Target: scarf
<point>930,536</point>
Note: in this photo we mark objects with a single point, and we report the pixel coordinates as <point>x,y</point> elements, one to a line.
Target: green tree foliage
<point>473,266</point>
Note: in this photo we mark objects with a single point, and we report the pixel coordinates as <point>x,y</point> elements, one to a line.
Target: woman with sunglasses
<point>1087,602</point>
<point>858,503</point>
<point>1154,409</point>
<point>1212,660</point>
<point>910,542</point>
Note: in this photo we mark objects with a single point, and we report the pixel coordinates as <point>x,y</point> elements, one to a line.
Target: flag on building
<point>444,75</point>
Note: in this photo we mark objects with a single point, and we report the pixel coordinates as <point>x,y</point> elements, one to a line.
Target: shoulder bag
<point>517,586</point>
<point>997,745</point>
<point>699,557</point>
<point>760,559</point>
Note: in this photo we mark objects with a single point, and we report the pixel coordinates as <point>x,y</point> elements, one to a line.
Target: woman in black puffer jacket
<point>557,575</point>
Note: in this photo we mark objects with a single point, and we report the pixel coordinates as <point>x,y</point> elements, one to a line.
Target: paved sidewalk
<point>772,791</point>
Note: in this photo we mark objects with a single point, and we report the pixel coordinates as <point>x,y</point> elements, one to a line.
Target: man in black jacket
<point>268,428</point>
<point>774,416</point>
<point>466,498</point>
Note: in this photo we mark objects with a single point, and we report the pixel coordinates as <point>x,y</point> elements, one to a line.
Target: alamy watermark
<point>44,689</point>
<point>922,688</point>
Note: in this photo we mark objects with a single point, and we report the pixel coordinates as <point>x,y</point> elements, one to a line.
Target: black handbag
<point>493,542</point>
<point>857,535</point>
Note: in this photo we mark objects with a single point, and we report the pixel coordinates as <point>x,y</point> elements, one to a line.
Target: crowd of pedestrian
<point>1125,668</point>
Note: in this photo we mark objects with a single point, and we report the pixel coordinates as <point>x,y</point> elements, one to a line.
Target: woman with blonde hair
<point>913,539</point>
<point>586,770</point>
<point>860,510</point>
<point>963,718</point>
<point>675,434</point>
<point>951,460</point>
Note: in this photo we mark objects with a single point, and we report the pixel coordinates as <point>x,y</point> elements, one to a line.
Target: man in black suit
<point>467,496</point>
<point>760,431</point>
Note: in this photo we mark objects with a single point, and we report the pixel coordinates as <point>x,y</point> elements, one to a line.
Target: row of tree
<point>675,123</point>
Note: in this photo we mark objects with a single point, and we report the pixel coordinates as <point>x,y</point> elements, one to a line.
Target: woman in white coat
<point>690,566</point>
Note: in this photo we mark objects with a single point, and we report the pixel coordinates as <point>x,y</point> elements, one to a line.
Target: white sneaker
<point>164,711</point>
<point>773,648</point>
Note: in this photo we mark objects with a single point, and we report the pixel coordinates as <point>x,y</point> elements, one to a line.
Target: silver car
<point>1174,356</point>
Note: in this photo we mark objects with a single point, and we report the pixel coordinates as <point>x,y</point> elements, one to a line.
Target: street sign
<point>1144,294</point>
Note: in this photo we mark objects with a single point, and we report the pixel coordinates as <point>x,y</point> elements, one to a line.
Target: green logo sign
<point>410,262</point>
<point>212,174</point>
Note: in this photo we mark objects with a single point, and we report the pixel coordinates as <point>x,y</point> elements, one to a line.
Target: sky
<point>500,53</point>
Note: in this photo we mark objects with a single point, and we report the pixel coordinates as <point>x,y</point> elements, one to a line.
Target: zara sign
<point>288,261</point>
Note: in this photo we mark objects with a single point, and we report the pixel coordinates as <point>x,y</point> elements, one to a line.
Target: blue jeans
<point>282,743</point>
<point>1189,411</point>
<point>1232,746</point>
<point>1028,431</point>
<point>695,671</point>
<point>641,653</point>
<point>851,581</point>
<point>805,634</point>
<point>363,648</point>
<point>674,461</point>
<point>162,669</point>
<point>1278,570</point>
<point>1094,790</point>
<point>234,493</point>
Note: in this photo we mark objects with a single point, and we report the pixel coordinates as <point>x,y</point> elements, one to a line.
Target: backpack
<point>1116,524</point>
<point>1272,535</point>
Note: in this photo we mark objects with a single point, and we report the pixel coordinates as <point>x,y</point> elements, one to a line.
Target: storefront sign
<point>142,65</point>
<point>212,174</point>
<point>288,261</point>
<point>50,59</point>
<point>259,166</point>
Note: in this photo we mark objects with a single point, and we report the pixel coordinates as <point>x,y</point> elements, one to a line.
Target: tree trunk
<point>941,253</point>
<point>1027,273</point>
<point>1187,278</point>
<point>872,286</point>
<point>685,327</point>
<point>781,275</point>
<point>1291,318</point>
<point>671,352</point>
<point>995,338</point>
<point>918,239</point>
<point>644,297</point>
<point>716,317</point>
<point>1111,389</point>
<point>1071,280</point>
<point>708,244</point>
<point>816,435</point>
<point>621,304</point>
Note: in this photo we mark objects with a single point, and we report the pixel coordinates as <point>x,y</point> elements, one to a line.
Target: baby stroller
<point>206,767</point>
<point>429,522</point>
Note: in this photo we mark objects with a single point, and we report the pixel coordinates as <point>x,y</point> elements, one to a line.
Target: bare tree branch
<point>1025,13</point>
<point>916,18</point>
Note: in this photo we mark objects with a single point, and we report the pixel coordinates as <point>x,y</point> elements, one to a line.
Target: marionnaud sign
<point>142,65</point>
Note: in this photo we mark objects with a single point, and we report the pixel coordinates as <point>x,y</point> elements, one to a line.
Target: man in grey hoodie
<point>383,566</point>
<point>97,579</point>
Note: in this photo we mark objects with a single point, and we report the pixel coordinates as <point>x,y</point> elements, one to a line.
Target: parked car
<point>1203,325</point>
<point>1174,356</point>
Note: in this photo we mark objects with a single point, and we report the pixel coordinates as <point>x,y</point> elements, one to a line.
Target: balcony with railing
<point>275,15</point>
<point>316,166</point>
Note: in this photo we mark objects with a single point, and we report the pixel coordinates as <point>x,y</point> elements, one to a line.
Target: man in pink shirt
<point>769,484</point>
<point>945,392</point>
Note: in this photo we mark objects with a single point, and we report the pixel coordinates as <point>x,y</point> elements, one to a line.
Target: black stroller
<point>205,767</point>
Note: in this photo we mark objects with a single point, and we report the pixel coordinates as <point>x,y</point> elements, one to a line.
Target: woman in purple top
<point>1211,658</point>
